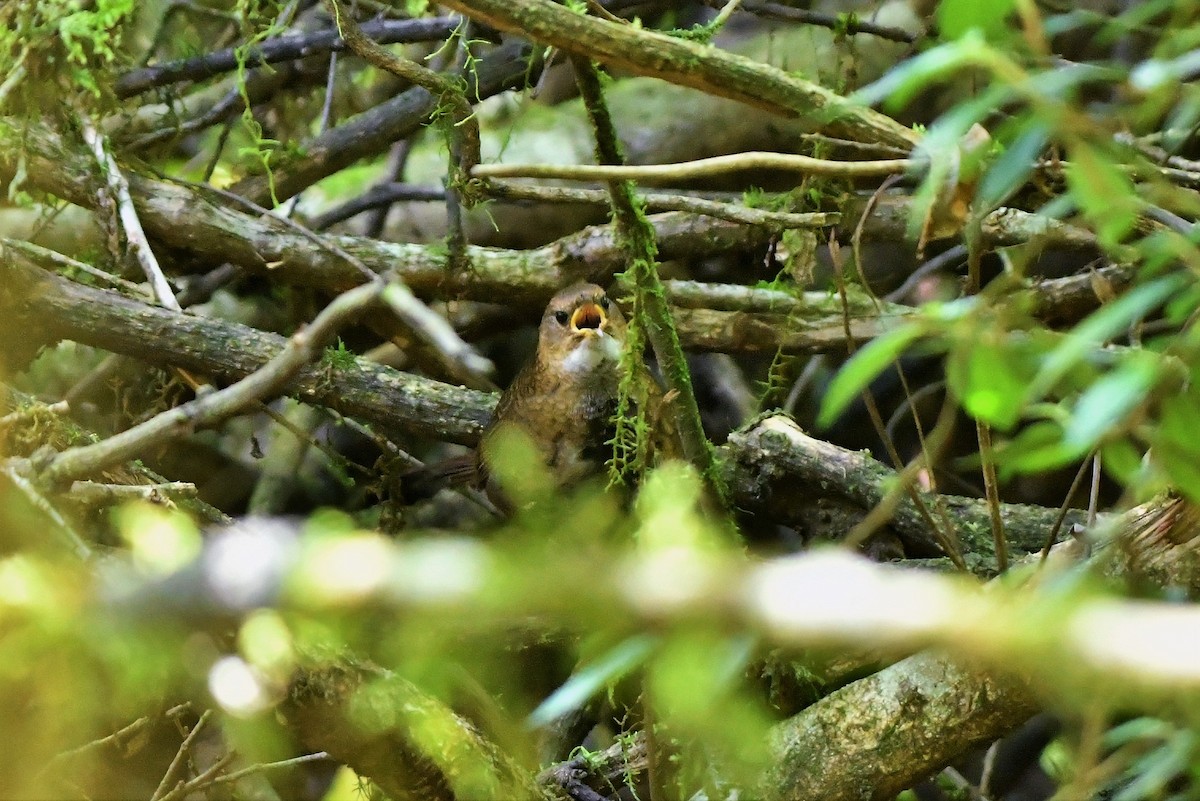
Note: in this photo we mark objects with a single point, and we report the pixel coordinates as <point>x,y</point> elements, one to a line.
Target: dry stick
<point>134,235</point>
<point>838,22</point>
<point>654,201</point>
<point>431,326</point>
<point>281,48</point>
<point>991,487</point>
<point>43,255</point>
<point>703,168</point>
<point>14,470</point>
<point>319,756</point>
<point>301,348</point>
<point>203,780</point>
<point>640,244</point>
<point>465,127</point>
<point>92,492</point>
<point>1052,536</point>
<point>184,748</point>
<point>687,63</point>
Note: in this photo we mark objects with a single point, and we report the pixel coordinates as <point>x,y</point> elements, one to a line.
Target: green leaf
<point>862,368</point>
<point>1182,468</point>
<point>1121,460</point>
<point>1101,326</point>
<point>898,86</point>
<point>1038,448</point>
<point>1103,192</point>
<point>957,17</point>
<point>1014,166</point>
<point>576,691</point>
<point>990,377</point>
<point>1108,401</point>
<point>1175,445</point>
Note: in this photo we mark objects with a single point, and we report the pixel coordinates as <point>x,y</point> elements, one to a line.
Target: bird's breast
<point>591,353</point>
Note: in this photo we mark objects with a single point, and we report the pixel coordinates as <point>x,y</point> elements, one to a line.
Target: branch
<point>701,168</point>
<point>282,48</point>
<point>883,733</point>
<point>769,464</point>
<point>48,306</point>
<point>409,743</point>
<point>118,187</point>
<point>464,128</point>
<point>509,66</point>
<point>657,201</point>
<point>301,348</point>
<point>702,67</point>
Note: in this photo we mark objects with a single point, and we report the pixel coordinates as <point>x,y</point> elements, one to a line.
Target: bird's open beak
<point>587,317</point>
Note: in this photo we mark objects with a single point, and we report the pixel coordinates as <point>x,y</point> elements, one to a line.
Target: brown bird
<point>564,399</point>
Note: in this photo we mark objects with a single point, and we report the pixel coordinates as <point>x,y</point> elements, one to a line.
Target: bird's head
<point>581,329</point>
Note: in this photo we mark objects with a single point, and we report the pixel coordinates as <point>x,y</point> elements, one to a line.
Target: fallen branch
<point>700,168</point>
<point>688,63</point>
<point>301,348</point>
<point>135,237</point>
<point>49,307</point>
<point>281,48</point>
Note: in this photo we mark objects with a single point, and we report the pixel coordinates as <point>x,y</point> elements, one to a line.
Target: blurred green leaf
<point>862,368</point>
<point>1101,326</point>
<point>898,86</point>
<point>1015,165</point>
<point>1175,444</point>
<point>586,683</point>
<point>957,17</point>
<point>990,378</point>
<point>1121,460</point>
<point>1038,447</point>
<point>1108,401</point>
<point>1103,192</point>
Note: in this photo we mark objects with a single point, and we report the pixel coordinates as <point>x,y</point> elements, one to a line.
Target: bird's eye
<point>604,302</point>
<point>562,317</point>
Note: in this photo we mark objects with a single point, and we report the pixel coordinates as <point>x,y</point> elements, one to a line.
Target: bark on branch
<point>46,306</point>
<point>688,63</point>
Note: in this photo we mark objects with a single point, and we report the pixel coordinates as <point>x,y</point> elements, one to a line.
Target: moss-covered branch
<point>688,63</point>
<point>775,467</point>
<point>45,307</point>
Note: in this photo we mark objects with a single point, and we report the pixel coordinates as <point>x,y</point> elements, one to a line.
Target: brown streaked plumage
<point>565,397</point>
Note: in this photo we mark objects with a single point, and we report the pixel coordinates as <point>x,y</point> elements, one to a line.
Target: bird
<point>564,399</point>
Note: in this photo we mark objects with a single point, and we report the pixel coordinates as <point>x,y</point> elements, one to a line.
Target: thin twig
<point>991,485</point>
<point>702,168</point>
<point>319,756</point>
<point>427,323</point>
<point>283,48</point>
<point>724,14</point>
<point>15,470</point>
<point>301,348</point>
<point>184,748</point>
<point>134,235</point>
<point>849,23</point>
<point>203,780</point>
<point>43,255</point>
<point>657,201</point>
<point>1052,536</point>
